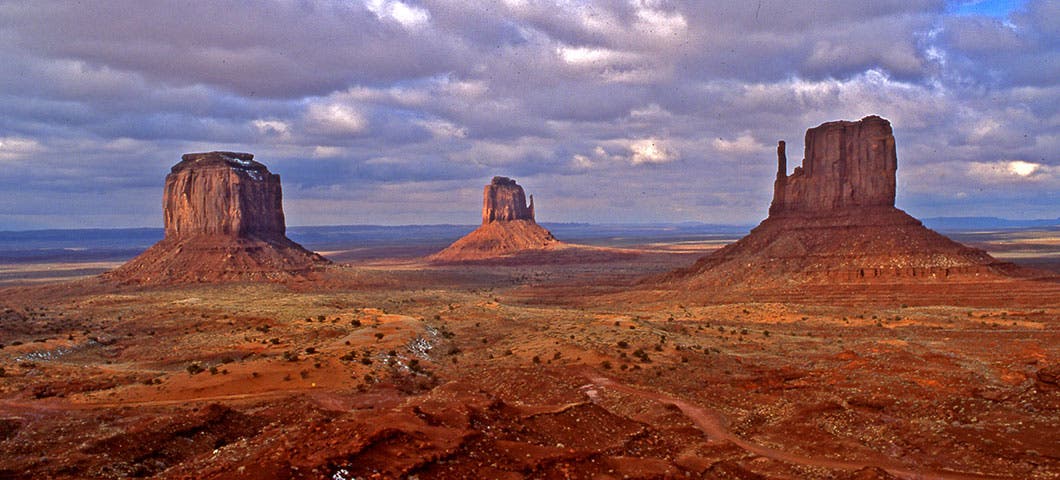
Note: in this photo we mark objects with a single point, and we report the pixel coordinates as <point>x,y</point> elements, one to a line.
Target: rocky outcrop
<point>504,200</point>
<point>222,193</point>
<point>223,216</point>
<point>834,220</point>
<point>508,227</point>
<point>847,165</point>
<point>1049,377</point>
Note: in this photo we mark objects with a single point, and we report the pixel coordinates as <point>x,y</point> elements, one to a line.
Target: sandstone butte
<point>834,220</point>
<point>223,215</point>
<point>508,227</point>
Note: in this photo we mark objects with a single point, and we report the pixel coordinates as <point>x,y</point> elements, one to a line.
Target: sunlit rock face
<point>834,220</point>
<point>504,200</point>
<point>223,216</point>
<point>508,227</point>
<point>222,193</point>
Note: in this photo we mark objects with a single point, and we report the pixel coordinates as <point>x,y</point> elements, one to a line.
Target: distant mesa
<point>834,220</point>
<point>223,215</point>
<point>508,227</point>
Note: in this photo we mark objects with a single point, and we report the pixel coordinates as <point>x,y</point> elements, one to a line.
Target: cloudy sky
<point>398,111</point>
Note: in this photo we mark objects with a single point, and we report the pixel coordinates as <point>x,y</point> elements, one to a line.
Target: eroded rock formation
<point>847,164</point>
<point>504,200</point>
<point>834,220</point>
<point>223,216</point>
<point>222,193</point>
<point>508,227</point>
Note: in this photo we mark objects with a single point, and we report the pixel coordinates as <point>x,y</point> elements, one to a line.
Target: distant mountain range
<point>986,223</point>
<point>124,243</point>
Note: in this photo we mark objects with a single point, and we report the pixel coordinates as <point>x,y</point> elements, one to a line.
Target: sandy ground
<point>402,369</point>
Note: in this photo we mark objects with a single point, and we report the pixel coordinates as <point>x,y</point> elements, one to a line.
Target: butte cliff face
<point>508,227</point>
<point>222,193</point>
<point>847,165</point>
<point>503,200</point>
<point>834,220</point>
<point>223,215</point>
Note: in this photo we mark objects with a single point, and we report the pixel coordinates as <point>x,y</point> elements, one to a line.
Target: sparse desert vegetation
<point>438,373</point>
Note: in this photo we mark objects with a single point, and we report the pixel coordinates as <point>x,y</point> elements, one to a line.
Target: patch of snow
<point>419,346</point>
<point>43,355</point>
<point>245,163</point>
<point>253,174</point>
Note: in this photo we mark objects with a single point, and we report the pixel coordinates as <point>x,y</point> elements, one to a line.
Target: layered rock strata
<point>834,220</point>
<point>508,227</point>
<point>223,216</point>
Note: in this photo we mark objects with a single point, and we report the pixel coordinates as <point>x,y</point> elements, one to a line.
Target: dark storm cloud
<point>279,49</point>
<point>386,111</point>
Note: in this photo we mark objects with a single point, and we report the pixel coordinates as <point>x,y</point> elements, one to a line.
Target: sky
<point>399,111</point>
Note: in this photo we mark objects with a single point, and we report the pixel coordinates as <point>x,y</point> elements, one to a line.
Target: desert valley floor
<point>395,368</point>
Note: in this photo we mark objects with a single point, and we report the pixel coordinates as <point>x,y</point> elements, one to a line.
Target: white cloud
<point>745,143</point>
<point>632,76</point>
<point>582,162</point>
<point>983,129</point>
<point>651,151</point>
<point>16,148</point>
<point>600,155</point>
<point>125,145</point>
<point>906,105</point>
<point>612,66</point>
<point>490,153</point>
<point>400,12</point>
<point>324,151</point>
<point>1010,171</point>
<point>405,97</point>
<point>1023,169</point>
<point>464,89</point>
<point>587,55</point>
<point>658,22</point>
<point>650,112</point>
<point>336,118</point>
<point>444,129</point>
<point>272,128</point>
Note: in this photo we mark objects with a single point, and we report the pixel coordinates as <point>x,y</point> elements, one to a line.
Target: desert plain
<point>384,365</point>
